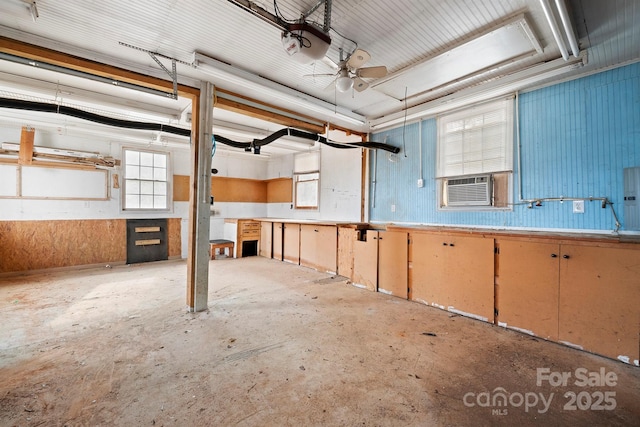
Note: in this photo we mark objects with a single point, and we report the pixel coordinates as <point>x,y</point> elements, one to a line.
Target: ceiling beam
<point>60,59</point>
<point>231,101</point>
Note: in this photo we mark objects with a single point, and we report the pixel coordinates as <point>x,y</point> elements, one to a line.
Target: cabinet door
<point>319,247</point>
<point>470,267</point>
<point>455,273</point>
<point>393,252</point>
<point>527,290</point>
<point>428,273</point>
<point>365,260</point>
<point>291,243</point>
<point>266,236</point>
<point>278,233</point>
<point>600,300</point>
<point>346,238</point>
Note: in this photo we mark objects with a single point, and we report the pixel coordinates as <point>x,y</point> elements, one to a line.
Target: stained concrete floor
<point>280,345</point>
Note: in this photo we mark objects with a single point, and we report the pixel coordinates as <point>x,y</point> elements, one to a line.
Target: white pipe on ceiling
<point>568,28</point>
<point>548,13</point>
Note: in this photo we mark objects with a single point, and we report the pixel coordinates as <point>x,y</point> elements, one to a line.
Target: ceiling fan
<point>351,73</point>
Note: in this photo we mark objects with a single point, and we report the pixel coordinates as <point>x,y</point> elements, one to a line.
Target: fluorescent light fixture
<point>510,41</point>
<point>227,73</point>
<point>548,13</point>
<point>496,88</point>
<point>568,28</point>
<point>19,87</point>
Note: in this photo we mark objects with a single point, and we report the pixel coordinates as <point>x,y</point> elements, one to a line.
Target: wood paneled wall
<point>239,190</point>
<point>35,245</point>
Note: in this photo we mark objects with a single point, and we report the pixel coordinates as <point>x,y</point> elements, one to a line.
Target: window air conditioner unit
<point>472,191</point>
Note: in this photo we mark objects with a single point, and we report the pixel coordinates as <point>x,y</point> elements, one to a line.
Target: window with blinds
<point>476,141</point>
<point>475,148</point>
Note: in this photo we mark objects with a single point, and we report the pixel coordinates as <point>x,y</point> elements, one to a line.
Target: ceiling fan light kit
<point>344,82</point>
<point>305,43</point>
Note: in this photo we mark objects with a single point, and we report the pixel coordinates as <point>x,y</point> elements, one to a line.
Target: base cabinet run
<point>454,273</point>
<point>319,247</point>
<point>583,296</point>
<point>380,261</point>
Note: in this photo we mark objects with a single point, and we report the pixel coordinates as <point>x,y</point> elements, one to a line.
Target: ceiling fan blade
<point>372,72</point>
<point>358,58</point>
<point>359,84</point>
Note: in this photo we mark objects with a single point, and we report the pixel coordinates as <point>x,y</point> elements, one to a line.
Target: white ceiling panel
<point>403,35</point>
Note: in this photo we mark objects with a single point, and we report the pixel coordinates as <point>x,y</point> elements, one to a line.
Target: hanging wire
<point>404,125</point>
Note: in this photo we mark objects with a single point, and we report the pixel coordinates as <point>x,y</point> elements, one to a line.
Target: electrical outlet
<point>393,208</point>
<point>420,183</point>
<point>578,206</point>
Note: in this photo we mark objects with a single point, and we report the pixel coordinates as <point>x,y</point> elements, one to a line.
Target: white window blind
<point>477,140</point>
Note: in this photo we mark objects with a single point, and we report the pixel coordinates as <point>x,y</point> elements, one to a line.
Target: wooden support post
<point>26,146</point>
<point>199,196</point>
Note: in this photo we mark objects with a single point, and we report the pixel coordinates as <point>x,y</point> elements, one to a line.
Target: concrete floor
<point>281,345</point>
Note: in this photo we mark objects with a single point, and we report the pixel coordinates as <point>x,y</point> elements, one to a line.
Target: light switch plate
<point>578,206</point>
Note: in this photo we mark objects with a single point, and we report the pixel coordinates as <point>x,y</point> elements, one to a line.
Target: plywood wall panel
<point>174,237</point>
<point>180,188</point>
<point>242,190</point>
<point>238,190</point>
<point>34,245</point>
<point>280,190</point>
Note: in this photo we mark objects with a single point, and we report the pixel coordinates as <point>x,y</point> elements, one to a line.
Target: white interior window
<point>475,153</point>
<point>146,180</point>
<point>306,179</point>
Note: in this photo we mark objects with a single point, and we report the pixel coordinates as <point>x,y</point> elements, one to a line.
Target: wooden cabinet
<point>291,243</point>
<point>278,234</point>
<point>599,307</point>
<point>245,234</point>
<point>582,295</point>
<point>527,291</point>
<point>266,239</point>
<point>346,238</point>
<point>365,260</point>
<point>393,250</point>
<point>319,247</point>
<point>380,261</point>
<point>453,272</point>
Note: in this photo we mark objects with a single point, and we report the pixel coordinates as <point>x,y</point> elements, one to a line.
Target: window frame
<point>306,168</point>
<point>168,181</point>
<point>500,172</point>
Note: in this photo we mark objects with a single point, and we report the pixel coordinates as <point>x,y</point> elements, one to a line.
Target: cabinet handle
<point>315,231</point>
<point>554,256</point>
<point>566,256</point>
<point>444,244</point>
<point>451,244</point>
<point>379,238</point>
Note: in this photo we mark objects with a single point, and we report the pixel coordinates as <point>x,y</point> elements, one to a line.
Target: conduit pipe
<point>568,28</point>
<point>537,202</point>
<point>548,13</point>
<point>128,124</point>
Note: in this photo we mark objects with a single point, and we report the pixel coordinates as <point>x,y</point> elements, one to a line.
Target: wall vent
<point>471,191</point>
